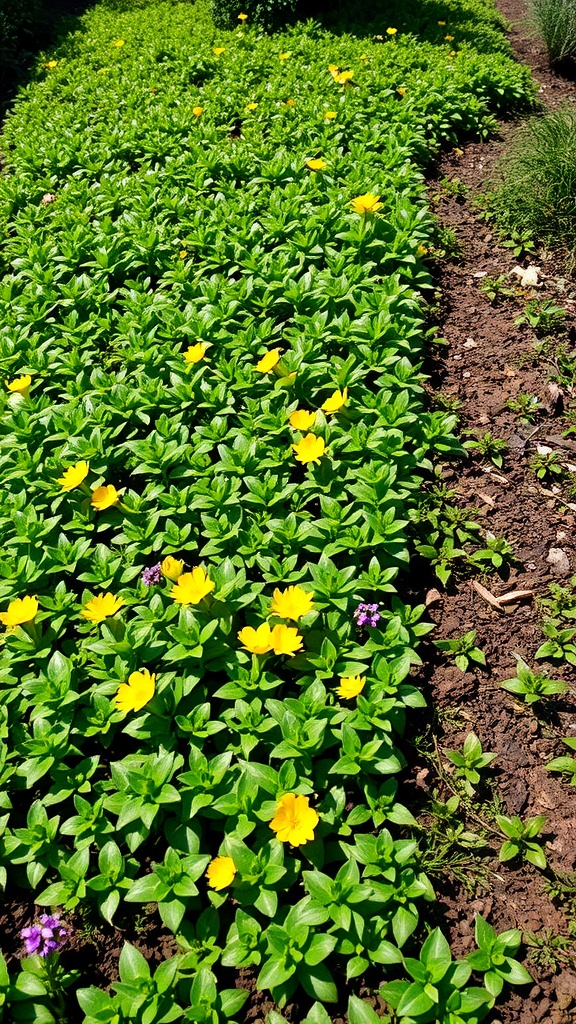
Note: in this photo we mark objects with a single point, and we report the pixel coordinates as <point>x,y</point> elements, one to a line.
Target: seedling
<point>532,686</point>
<point>488,447</point>
<point>562,602</point>
<point>547,465</point>
<point>464,650</point>
<point>542,316</point>
<point>521,836</point>
<point>469,762</point>
<point>494,957</point>
<point>454,187</point>
<point>560,645</point>
<point>565,764</point>
<point>526,406</point>
<point>494,555</point>
<point>495,288</point>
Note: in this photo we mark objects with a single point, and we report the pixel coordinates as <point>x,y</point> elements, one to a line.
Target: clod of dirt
<point>558,561</point>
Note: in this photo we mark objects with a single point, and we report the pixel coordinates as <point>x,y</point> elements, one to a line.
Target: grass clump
<point>556,23</point>
<point>536,189</point>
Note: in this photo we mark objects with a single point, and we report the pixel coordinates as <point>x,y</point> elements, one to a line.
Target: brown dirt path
<point>490,359</point>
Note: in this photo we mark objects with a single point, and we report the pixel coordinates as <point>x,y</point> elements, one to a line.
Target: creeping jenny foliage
<point>156,197</point>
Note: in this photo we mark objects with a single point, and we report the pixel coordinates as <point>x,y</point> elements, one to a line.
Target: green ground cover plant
<point>212,443</point>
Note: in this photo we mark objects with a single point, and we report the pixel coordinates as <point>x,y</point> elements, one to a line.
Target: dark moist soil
<point>489,360</point>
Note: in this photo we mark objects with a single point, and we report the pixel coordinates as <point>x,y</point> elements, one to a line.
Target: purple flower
<point>152,575</point>
<point>32,938</point>
<point>46,936</point>
<point>367,615</point>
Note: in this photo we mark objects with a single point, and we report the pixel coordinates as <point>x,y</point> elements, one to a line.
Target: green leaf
<point>360,1012</point>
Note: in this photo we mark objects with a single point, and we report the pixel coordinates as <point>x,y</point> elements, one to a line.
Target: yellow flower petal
<point>316,165</point>
<point>197,111</point>
<point>172,568</point>
<point>133,695</point>
<point>192,586</point>
<point>330,115</point>
<point>336,401</point>
<point>74,476</point>
<point>257,641</point>
<point>220,873</point>
<point>309,449</point>
<point>22,609</point>
<point>101,607</point>
<point>294,821</point>
<point>219,49</point>
<point>301,419</point>
<point>20,385</point>
<point>367,203</point>
<point>351,686</point>
<point>269,360</point>
<point>286,640</point>
<point>104,497</point>
<point>194,353</point>
<point>291,603</point>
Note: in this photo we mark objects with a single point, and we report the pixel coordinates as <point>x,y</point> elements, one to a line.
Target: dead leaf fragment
<point>554,403</point>
<point>432,597</point>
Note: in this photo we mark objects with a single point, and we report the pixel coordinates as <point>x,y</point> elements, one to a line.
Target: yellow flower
<point>458,152</point>
<point>301,419</point>
<point>172,568</point>
<point>391,31</point>
<point>257,641</point>
<point>219,49</point>
<point>284,56</point>
<point>118,42</point>
<point>449,38</point>
<point>286,640</point>
<point>133,695</point>
<point>241,17</point>
<point>421,250</point>
<point>316,165</point>
<point>291,603</point>
<point>289,103</point>
<point>336,401</point>
<point>74,476</point>
<point>100,607</point>
<point>183,254</point>
<point>251,106</point>
<point>50,64</point>
<point>104,497</point>
<point>333,69</point>
<point>344,77</point>
<point>309,449</point>
<point>194,353</point>
<point>22,609</point>
<point>330,115</point>
<point>441,22</point>
<point>351,686</point>
<point>197,111</point>
<point>294,821</point>
<point>20,385</point>
<point>269,361</point>
<point>221,870</point>
<point>192,586</point>
<point>401,90</point>
<point>367,203</point>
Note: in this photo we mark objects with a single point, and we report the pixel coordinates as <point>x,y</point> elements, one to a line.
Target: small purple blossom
<point>152,575</point>
<point>367,615</point>
<point>46,936</point>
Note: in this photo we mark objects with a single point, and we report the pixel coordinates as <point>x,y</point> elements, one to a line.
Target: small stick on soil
<point>494,602</point>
